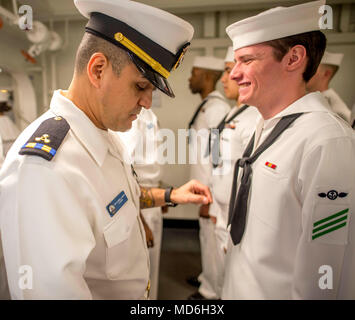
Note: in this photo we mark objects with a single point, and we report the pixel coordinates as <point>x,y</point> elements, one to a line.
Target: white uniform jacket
<point>337,105</point>
<point>142,143</point>
<point>299,239</point>
<point>209,116</point>
<point>55,216</point>
<point>233,140</point>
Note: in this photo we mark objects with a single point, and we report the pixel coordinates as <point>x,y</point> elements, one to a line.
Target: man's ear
<point>96,67</point>
<point>328,73</point>
<point>296,58</point>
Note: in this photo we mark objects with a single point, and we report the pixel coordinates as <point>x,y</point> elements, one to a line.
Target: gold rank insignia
<point>44,138</point>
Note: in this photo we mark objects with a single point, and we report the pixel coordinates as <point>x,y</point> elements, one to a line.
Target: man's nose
<point>146,99</point>
<point>236,73</point>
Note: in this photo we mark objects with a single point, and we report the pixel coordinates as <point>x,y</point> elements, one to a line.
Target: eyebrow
<point>248,56</point>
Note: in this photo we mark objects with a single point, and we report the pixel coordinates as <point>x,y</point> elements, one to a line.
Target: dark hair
<point>91,44</point>
<point>314,42</point>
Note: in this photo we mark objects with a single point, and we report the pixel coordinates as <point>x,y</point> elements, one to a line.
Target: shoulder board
<point>47,138</point>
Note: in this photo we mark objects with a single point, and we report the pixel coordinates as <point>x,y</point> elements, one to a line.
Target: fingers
<point>198,199</point>
<point>200,188</point>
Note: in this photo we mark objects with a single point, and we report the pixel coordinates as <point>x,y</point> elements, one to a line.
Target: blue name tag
<point>116,203</point>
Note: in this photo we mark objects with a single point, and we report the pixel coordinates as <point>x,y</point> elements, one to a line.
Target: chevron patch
<point>329,224</point>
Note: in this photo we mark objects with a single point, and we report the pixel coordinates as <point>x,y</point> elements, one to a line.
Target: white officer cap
<point>275,23</point>
<point>4,95</point>
<point>230,55</point>
<point>155,40</point>
<point>332,58</point>
<point>209,62</point>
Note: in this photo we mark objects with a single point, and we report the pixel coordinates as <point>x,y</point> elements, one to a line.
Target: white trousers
<point>208,277</point>
<point>154,219</point>
<point>221,236</point>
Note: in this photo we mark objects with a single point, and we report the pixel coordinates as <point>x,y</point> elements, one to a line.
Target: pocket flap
<point>120,229</point>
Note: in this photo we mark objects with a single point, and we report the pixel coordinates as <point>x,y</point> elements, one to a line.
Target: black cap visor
<point>154,77</point>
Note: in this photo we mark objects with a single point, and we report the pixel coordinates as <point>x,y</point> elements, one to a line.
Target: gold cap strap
<point>142,54</point>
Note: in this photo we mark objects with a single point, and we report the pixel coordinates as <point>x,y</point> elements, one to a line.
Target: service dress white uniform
<point>54,216</point>
<point>143,136</point>
<point>293,234</point>
<point>337,105</point>
<point>8,133</point>
<point>209,116</point>
<point>233,140</point>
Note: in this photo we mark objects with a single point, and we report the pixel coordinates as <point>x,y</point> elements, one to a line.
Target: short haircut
<point>314,42</point>
<point>91,44</point>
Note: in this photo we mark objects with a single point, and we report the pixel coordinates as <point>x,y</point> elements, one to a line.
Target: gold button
<point>119,36</point>
<point>58,118</point>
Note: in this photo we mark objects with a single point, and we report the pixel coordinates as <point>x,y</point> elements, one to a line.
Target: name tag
<point>116,204</point>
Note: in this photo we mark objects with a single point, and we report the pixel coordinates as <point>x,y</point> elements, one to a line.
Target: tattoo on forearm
<point>146,199</point>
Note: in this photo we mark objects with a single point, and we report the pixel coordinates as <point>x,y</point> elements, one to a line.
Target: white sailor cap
<point>209,62</point>
<point>4,95</point>
<point>332,58</point>
<point>155,40</point>
<point>230,55</point>
<point>275,23</point>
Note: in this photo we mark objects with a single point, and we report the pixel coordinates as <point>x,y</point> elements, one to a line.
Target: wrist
<point>169,197</point>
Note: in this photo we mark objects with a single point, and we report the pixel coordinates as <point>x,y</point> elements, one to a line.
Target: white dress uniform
<point>57,216</point>
<point>144,136</point>
<point>8,133</point>
<point>233,140</point>
<point>337,105</point>
<point>210,115</point>
<point>299,218</point>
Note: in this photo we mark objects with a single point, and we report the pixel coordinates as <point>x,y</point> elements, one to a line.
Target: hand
<point>192,192</point>
<point>164,209</point>
<point>204,209</point>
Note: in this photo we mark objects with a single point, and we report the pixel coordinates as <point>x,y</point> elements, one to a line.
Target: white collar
<point>311,102</point>
<point>93,139</point>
